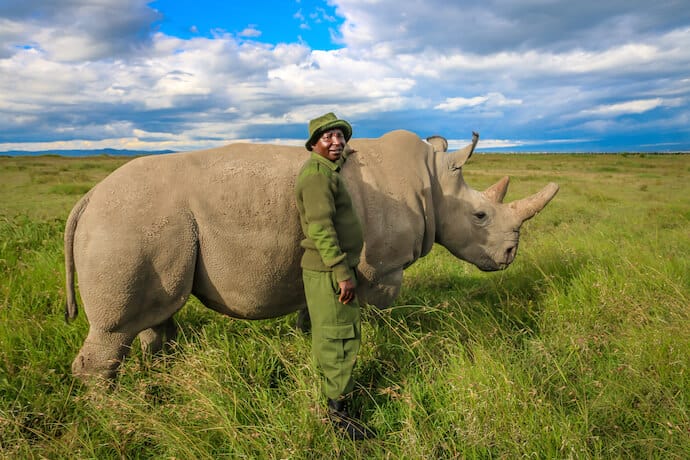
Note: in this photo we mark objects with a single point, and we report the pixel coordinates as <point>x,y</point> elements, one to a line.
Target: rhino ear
<point>455,160</point>
<point>439,143</point>
<point>347,151</point>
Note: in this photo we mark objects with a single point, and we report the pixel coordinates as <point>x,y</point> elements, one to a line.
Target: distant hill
<point>83,153</point>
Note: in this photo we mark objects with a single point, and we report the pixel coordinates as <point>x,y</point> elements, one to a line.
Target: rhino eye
<point>480,215</point>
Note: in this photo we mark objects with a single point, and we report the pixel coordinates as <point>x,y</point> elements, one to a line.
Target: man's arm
<point>319,211</point>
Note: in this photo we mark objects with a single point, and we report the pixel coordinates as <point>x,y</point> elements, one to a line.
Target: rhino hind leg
<point>101,354</point>
<point>154,339</point>
<point>132,281</point>
<point>147,313</point>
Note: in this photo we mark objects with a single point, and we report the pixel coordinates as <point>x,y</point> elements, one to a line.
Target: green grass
<point>579,350</point>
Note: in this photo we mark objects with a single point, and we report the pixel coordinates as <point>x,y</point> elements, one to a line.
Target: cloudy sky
<point>529,75</point>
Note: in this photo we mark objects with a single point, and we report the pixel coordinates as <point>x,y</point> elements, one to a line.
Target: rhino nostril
<point>510,253</point>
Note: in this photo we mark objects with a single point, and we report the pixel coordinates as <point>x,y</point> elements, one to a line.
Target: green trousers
<point>335,332</point>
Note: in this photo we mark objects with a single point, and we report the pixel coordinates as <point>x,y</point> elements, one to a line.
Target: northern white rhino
<point>222,224</point>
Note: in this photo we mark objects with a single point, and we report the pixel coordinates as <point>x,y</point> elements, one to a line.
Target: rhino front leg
<point>379,290</point>
<point>303,322</point>
<point>153,340</point>
<point>101,354</point>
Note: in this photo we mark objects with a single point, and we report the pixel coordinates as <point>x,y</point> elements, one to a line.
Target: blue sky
<point>313,23</point>
<point>529,75</point>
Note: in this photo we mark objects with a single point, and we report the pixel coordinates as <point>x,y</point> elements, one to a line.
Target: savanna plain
<point>580,349</point>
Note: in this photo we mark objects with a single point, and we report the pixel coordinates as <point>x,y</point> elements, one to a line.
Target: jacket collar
<point>333,165</point>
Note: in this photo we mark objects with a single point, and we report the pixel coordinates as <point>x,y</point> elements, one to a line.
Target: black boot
<point>345,424</point>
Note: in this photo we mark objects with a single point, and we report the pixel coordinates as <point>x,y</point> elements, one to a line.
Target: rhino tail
<point>71,308</point>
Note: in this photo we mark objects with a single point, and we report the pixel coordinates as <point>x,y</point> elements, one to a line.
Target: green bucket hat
<point>324,123</point>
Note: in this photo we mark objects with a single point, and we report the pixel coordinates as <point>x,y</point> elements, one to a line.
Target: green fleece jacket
<point>330,224</point>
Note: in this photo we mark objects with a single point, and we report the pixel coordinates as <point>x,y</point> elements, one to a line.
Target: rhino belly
<point>248,263</point>
<point>249,282</point>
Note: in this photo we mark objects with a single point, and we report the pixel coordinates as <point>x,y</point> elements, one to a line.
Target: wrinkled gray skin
<point>222,224</point>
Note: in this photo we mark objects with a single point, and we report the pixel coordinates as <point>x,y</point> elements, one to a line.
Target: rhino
<point>222,224</point>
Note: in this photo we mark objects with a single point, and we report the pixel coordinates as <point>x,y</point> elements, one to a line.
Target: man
<point>332,244</point>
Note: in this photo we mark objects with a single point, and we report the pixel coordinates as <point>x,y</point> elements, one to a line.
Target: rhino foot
<point>101,355</point>
<point>156,339</point>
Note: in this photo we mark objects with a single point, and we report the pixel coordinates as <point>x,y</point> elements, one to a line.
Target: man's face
<point>330,145</point>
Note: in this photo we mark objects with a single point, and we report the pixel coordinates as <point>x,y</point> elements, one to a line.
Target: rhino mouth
<point>493,267</point>
<point>487,264</point>
<point>491,264</point>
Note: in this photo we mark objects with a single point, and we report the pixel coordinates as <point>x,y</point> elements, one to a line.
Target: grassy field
<point>581,349</point>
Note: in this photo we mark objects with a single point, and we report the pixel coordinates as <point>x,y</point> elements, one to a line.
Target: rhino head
<point>477,226</point>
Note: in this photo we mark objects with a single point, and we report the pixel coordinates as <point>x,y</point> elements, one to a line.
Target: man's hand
<point>347,291</point>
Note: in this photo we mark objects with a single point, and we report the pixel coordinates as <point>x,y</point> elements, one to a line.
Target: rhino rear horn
<point>497,192</point>
<point>527,208</point>
<point>459,157</point>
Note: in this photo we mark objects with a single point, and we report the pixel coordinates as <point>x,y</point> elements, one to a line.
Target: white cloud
<point>629,107</point>
<point>491,100</point>
<point>457,103</point>
<point>79,29</point>
<point>496,26</point>
<point>65,47</point>
<point>321,15</point>
<point>250,32</point>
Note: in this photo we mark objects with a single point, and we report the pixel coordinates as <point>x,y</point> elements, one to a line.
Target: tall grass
<point>578,350</point>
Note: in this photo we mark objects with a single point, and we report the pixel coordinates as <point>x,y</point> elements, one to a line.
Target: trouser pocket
<point>335,350</point>
<point>335,340</point>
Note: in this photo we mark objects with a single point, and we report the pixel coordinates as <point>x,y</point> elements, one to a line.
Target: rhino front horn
<point>527,208</point>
